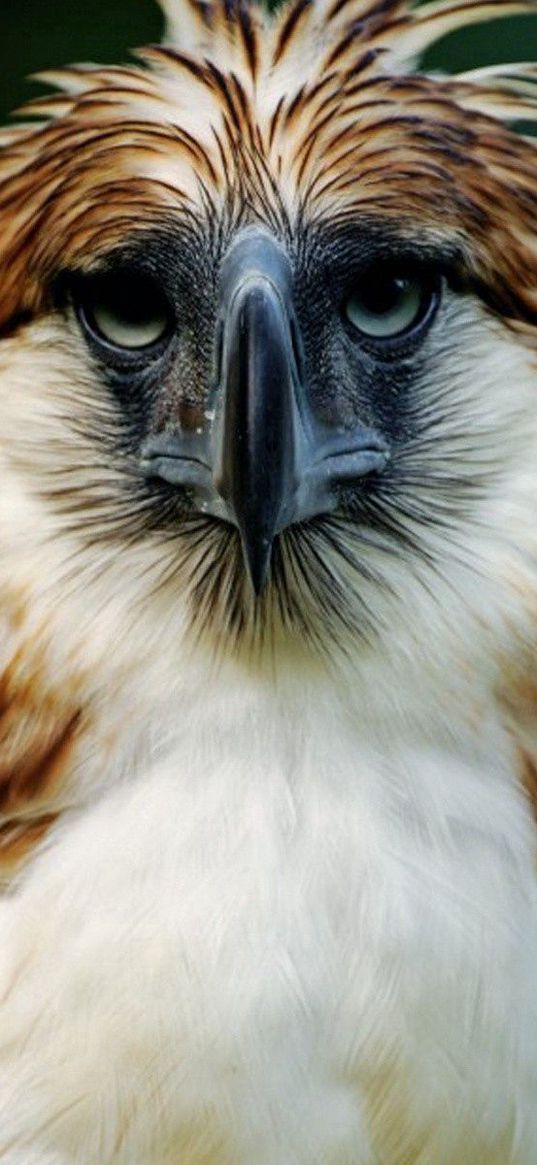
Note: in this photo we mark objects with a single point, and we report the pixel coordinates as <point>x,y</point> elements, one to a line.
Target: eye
<point>388,302</point>
<point>127,311</point>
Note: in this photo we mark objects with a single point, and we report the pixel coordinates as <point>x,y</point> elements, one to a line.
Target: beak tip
<point>257,558</point>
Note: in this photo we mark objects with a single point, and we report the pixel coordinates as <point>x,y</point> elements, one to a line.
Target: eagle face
<point>273,311</point>
<point>290,414</point>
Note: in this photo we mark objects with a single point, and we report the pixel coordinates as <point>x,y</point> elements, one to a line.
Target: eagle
<point>268,598</point>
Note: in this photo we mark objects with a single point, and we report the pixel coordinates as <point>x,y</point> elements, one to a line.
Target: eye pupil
<point>386,304</point>
<point>382,295</point>
<point>127,311</point>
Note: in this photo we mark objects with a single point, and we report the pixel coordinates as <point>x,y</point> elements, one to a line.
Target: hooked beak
<point>265,462</point>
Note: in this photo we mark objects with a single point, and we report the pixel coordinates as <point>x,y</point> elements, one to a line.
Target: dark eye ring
<point>390,303</point>
<point>126,312</point>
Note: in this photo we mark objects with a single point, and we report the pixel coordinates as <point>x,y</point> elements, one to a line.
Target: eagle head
<point>268,318</point>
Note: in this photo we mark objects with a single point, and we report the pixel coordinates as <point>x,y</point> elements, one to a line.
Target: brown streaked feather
<point>190,30</point>
<point>293,15</point>
<point>39,732</point>
<point>36,747</point>
<point>18,840</point>
<point>370,9</point>
<point>41,726</point>
<point>250,38</point>
<point>528,770</point>
<point>436,19</point>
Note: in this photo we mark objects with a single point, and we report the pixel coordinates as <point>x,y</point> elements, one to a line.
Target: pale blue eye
<point>385,305</point>
<point>116,326</point>
<point>128,311</point>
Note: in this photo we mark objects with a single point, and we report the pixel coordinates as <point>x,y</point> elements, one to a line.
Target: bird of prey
<point>268,599</point>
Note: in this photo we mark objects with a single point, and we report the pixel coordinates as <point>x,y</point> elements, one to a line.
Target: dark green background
<point>39,33</point>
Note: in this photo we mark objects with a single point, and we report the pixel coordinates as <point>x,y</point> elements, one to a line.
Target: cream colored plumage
<point>268,778</point>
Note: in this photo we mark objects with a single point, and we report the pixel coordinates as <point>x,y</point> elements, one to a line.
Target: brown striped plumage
<point>124,147</point>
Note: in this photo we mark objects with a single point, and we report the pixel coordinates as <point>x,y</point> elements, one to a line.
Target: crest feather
<point>434,20</point>
<point>408,27</point>
<point>315,106</point>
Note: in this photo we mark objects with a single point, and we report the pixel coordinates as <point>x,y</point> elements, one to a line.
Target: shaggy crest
<point>312,112</point>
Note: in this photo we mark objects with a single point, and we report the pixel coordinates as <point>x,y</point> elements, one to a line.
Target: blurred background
<point>35,34</point>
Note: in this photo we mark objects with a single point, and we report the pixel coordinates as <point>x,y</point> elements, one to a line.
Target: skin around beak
<point>265,462</point>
